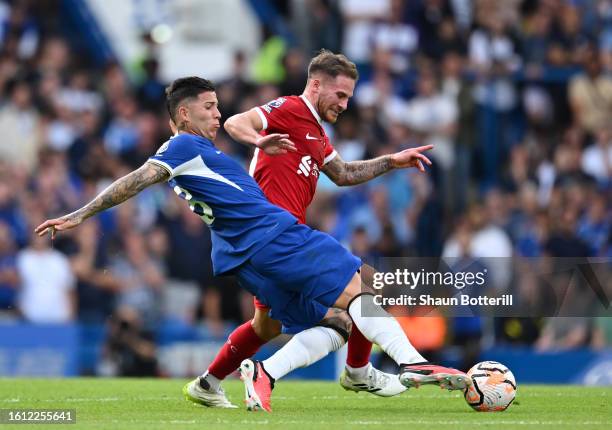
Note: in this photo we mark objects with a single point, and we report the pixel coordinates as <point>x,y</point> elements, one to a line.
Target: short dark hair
<point>185,88</point>
<point>332,65</point>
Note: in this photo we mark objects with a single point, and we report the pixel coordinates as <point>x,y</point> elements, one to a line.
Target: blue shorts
<point>299,276</point>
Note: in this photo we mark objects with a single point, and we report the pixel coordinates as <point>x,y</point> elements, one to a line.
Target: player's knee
<point>366,273</point>
<point>265,327</point>
<point>340,322</point>
<point>354,288</point>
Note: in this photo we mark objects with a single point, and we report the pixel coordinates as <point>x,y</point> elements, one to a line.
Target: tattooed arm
<point>356,172</point>
<point>117,192</point>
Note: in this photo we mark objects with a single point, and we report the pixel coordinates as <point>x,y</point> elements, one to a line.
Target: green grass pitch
<point>158,404</point>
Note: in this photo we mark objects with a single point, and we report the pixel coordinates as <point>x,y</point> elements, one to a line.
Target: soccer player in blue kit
<point>298,272</point>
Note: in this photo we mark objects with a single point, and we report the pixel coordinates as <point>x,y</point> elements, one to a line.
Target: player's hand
<point>412,157</point>
<point>58,224</point>
<point>275,144</point>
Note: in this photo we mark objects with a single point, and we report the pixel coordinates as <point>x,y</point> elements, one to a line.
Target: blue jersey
<point>227,199</point>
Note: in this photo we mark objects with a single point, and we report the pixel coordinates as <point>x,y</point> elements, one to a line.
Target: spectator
<point>294,63</point>
<point>597,158</point>
<point>47,291</point>
<point>458,88</point>
<point>489,243</point>
<point>140,277</point>
<point>18,28</point>
<point>150,92</point>
<point>590,94</point>
<point>79,96</point>
<point>434,116</point>
<point>97,287</point>
<point>149,138</point>
<point>130,348</point>
<point>537,38</point>
<point>569,38</point>
<point>359,17</point>
<point>319,25</point>
<point>397,37</point>
<point>121,135</point>
<point>11,211</point>
<point>54,57</point>
<point>19,126</point>
<point>9,278</point>
<point>594,226</point>
<point>563,241</point>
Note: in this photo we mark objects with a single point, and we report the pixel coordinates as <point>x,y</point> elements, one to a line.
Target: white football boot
<point>195,392</point>
<point>376,382</point>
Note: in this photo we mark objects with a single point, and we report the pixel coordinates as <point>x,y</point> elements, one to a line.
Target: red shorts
<point>260,305</point>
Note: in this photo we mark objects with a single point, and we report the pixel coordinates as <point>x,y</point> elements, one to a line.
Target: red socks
<point>242,343</point>
<point>359,349</point>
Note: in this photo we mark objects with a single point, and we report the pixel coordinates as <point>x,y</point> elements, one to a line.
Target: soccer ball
<point>493,387</point>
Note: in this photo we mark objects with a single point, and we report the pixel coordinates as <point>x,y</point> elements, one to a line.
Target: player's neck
<point>188,130</point>
<point>311,97</point>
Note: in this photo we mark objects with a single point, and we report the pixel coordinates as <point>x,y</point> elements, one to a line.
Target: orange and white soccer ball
<point>493,387</point>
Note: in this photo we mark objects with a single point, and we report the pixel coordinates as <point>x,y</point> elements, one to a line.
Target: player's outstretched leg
<point>311,345</point>
<point>381,328</point>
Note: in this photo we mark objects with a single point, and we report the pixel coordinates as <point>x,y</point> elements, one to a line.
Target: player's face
<point>202,115</point>
<point>334,94</point>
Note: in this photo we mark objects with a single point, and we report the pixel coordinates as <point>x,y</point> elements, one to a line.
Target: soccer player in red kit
<point>288,174</point>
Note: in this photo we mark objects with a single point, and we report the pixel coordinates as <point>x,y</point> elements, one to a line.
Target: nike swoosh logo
<point>309,137</point>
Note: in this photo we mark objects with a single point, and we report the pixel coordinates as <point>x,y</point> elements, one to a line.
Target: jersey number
<point>200,208</point>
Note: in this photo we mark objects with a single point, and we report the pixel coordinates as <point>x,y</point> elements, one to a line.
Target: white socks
<point>215,383</point>
<point>382,329</point>
<point>305,348</point>
<point>358,372</point>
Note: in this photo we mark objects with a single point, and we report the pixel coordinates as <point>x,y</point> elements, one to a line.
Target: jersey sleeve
<point>272,114</point>
<point>176,151</point>
<point>330,151</point>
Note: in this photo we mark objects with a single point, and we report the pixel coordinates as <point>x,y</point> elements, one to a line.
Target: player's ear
<point>182,115</point>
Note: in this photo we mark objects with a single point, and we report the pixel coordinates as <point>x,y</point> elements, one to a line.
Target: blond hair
<point>332,65</point>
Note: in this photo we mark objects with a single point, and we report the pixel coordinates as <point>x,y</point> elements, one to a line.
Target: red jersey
<point>290,180</point>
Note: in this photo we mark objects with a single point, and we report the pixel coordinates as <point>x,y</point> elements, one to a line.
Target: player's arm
<point>116,193</point>
<point>356,172</point>
<point>245,127</point>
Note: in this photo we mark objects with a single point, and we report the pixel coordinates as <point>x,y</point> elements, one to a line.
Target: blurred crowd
<point>515,95</point>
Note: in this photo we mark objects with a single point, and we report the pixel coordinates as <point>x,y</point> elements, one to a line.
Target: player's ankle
<point>271,379</point>
<point>209,382</point>
<point>357,372</point>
